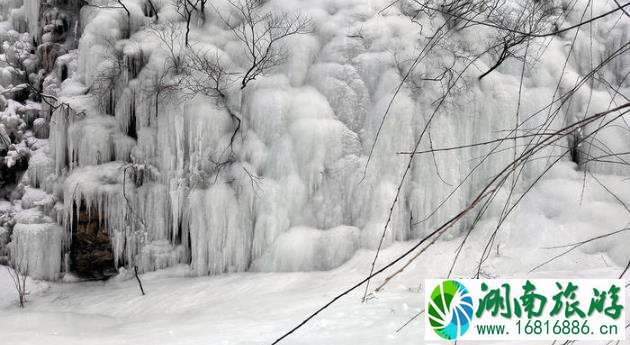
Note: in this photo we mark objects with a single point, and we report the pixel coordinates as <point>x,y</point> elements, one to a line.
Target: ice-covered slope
<point>161,172</point>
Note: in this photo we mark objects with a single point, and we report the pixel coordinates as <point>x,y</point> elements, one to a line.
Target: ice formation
<point>170,181</point>
<point>37,248</point>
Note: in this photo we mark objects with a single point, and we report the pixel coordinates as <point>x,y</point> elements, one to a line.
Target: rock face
<point>11,170</point>
<point>57,20</point>
<point>91,252</point>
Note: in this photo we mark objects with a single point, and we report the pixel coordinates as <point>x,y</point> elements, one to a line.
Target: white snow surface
<point>239,308</point>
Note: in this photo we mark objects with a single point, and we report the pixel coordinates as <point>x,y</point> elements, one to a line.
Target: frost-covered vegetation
<point>288,135</point>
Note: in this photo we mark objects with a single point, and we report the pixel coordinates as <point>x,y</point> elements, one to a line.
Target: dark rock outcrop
<point>10,173</point>
<point>91,252</point>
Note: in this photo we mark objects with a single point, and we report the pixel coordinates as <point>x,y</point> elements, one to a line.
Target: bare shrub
<point>260,32</point>
<point>19,276</point>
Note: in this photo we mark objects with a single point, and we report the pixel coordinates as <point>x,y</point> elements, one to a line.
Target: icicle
<point>220,243</point>
<point>36,248</point>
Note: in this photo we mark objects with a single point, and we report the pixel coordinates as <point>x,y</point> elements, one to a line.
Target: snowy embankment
<point>256,308</point>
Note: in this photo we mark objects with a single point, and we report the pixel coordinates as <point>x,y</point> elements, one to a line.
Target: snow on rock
<point>40,128</point>
<point>40,169</point>
<point>36,197</point>
<point>32,216</point>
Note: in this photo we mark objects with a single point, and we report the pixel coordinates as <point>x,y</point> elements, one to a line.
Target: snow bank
<point>307,249</point>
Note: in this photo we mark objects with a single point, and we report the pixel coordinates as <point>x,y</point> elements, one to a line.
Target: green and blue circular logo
<point>450,309</point>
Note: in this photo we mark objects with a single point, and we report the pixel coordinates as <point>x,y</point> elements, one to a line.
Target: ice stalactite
<point>95,217</point>
<point>63,116</point>
<point>91,142</point>
<point>31,9</point>
<point>219,234</point>
<point>36,247</point>
<point>40,170</point>
<point>152,204</point>
<point>134,61</point>
<point>139,235</point>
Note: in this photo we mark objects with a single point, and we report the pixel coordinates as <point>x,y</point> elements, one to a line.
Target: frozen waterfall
<point>163,175</point>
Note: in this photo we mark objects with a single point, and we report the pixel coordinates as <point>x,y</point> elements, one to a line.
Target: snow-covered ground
<point>243,308</point>
<point>256,308</point>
